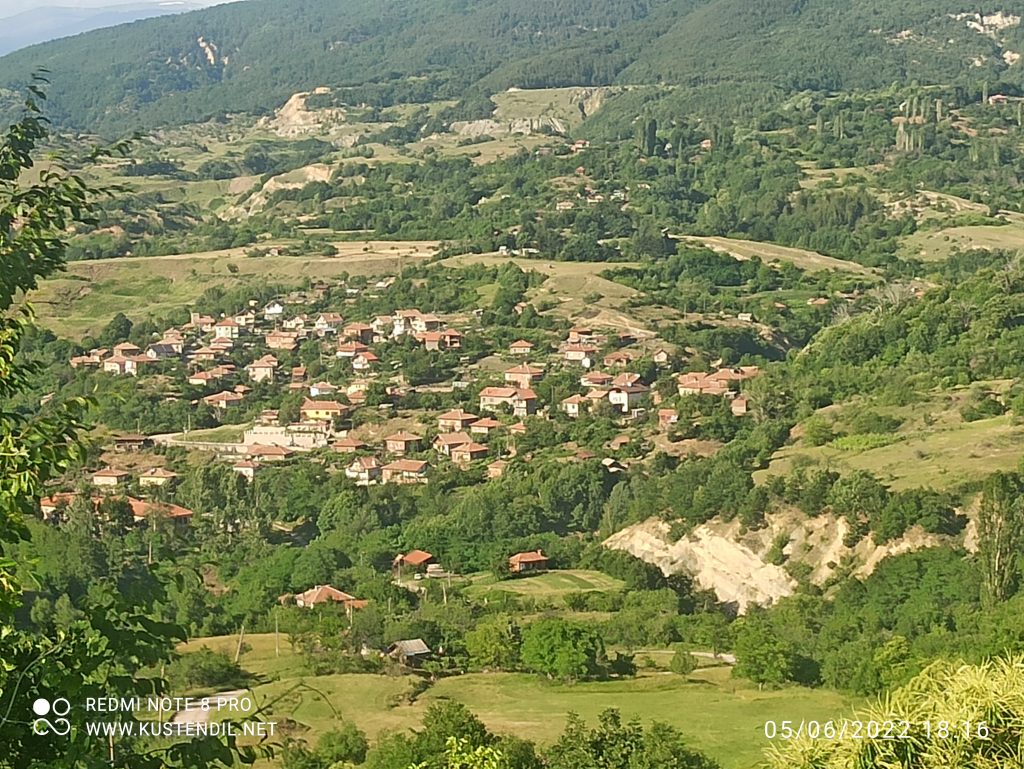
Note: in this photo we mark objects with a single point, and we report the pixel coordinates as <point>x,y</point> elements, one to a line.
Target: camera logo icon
<point>43,708</point>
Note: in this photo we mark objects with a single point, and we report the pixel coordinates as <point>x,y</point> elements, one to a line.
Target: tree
<point>761,655</point>
<point>682,662</point>
<point>561,649</point>
<point>494,643</point>
<point>1000,535</point>
<point>344,744</point>
<point>108,642</point>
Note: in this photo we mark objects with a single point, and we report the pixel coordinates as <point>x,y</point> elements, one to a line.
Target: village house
<point>297,323</point>
<point>364,470</point>
<point>445,442</point>
<point>206,354</point>
<point>524,375</point>
<point>245,468</point>
<point>358,332</point>
<point>161,351</point>
<point>127,349</point>
<point>322,388</point>
<point>326,594</point>
<point>348,445</point>
<point>416,560</point>
<point>93,358</point>
<point>202,323</point>
<point>226,328</point>
<point>131,442</point>
<point>316,409</point>
<point>262,370</point>
<point>108,477</point>
<point>424,322</point>
<point>411,652</point>
<point>579,353</point>
<point>739,406</point>
<point>402,322</point>
<point>531,561</point>
<point>618,359</point>
<point>282,340</point>
<point>484,426</point>
<point>628,397</point>
<point>327,323</point>
<point>661,356</point>
<point>121,366</point>
<point>298,375</point>
<point>497,468</point>
<point>452,338</point>
<point>364,361</point>
<point>223,400</point>
<point>596,379</point>
<point>405,471</point>
<point>246,320</point>
<point>519,428</point>
<point>273,311</point>
<point>574,405</point>
<point>581,335</point>
<point>667,418</point>
<point>202,378</point>
<point>522,401</point>
<point>453,421</point>
<point>520,347</point>
<point>350,349</point>
<point>401,443</point>
<point>157,476</point>
<point>268,417</point>
<point>465,453</point>
<point>264,453</point>
<point>382,326</point>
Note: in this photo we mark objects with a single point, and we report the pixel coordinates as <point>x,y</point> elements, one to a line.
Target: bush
<point>682,662</point>
<point>346,743</point>
<point>205,668</point>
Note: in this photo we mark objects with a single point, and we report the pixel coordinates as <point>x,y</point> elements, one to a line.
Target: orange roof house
<point>533,560</point>
<point>401,442</point>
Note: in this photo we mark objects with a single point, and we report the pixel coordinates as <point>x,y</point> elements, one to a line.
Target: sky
<point>12,7</point>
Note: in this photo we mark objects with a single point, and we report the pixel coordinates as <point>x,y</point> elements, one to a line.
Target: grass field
<point>936,245</point>
<point>719,715</point>
<point>769,252</point>
<point>934,447</point>
<point>83,299</point>
<point>553,584</point>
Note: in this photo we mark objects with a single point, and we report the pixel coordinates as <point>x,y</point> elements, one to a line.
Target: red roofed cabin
<point>531,561</point>
<point>416,560</point>
<point>325,594</point>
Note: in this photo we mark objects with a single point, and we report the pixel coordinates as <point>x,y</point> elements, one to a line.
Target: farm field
<point>83,299</point>
<point>720,715</point>
<point>769,252</point>
<point>553,584</point>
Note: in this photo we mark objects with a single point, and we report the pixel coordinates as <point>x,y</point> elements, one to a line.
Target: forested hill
<point>252,56</point>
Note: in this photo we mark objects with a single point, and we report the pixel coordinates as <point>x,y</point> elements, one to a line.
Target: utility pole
<point>238,650</point>
<point>277,638</point>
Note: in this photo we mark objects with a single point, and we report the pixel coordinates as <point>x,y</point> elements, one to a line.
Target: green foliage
<point>205,669</point>
<point>560,649</point>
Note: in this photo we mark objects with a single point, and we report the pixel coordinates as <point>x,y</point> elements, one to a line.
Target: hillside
<point>250,57</point>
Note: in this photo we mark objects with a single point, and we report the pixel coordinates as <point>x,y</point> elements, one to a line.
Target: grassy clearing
<point>83,299</point>
<point>769,252</point>
<point>937,245</point>
<point>553,584</point>
<point>720,715</point>
<point>934,446</point>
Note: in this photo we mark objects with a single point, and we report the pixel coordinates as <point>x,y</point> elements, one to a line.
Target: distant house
<point>739,406</point>
<point>628,397</point>
<point>524,375</point>
<point>522,401</point>
<point>120,365</point>
<point>520,347</point>
<point>468,452</point>
<point>282,340</point>
<point>364,470</point>
<point>226,328</point>
<point>351,349</point>
<point>531,561</point>
<point>126,443</point>
<point>667,418</point>
<point>206,354</point>
<point>497,468</point>
<point>414,559</point>
<point>311,409</point>
<point>364,361</point>
<point>619,358</point>
<point>484,426</point>
<point>401,443</point>
<point>405,471</point>
<point>359,332</point>
<point>431,340</point>
<point>573,406</point>
<point>661,356</point>
<point>268,453</point>
<point>326,594</point>
<point>348,446</point>
<point>298,374</point>
<point>157,476</point>
<point>453,421</point>
<point>444,443</point>
<point>223,400</point>
<point>579,353</point>
<point>246,468</point>
<point>327,323</point>
<point>161,351</point>
<point>322,388</point>
<point>596,379</point>
<point>262,370</point>
<point>273,311</point>
<point>109,477</point>
<point>452,338</point>
<point>202,378</point>
<point>127,349</point>
<point>411,652</point>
